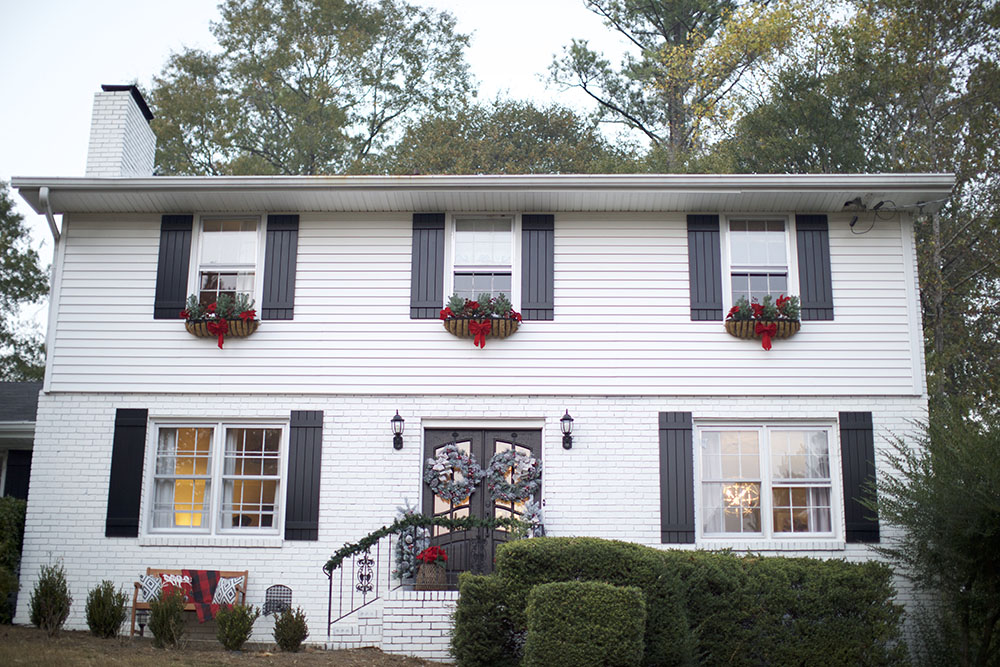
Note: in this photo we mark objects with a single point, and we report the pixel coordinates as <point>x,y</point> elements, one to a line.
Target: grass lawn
<point>30,646</point>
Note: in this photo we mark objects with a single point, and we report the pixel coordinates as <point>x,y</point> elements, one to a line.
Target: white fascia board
<point>930,187</point>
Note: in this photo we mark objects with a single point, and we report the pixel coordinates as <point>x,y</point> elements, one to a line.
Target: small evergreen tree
<point>50,600</point>
<point>944,495</point>
<point>107,609</point>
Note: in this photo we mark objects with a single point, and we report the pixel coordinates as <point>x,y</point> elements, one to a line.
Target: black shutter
<point>676,478</point>
<point>538,267</point>
<point>172,267</point>
<point>18,472</point>
<point>279,267</point>
<point>705,267</point>
<point>857,456</point>
<point>125,486</point>
<point>304,449</point>
<point>427,267</point>
<point>815,285</point>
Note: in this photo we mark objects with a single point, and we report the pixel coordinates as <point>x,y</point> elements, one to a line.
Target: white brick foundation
<point>606,486</point>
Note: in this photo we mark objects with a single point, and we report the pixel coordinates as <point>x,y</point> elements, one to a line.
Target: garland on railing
<point>368,541</point>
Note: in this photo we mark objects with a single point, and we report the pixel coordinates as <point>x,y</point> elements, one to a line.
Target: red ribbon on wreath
<point>480,330</point>
<point>219,328</point>
<point>765,331</point>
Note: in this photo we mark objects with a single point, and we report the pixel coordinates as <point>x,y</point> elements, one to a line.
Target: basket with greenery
<point>778,318</point>
<point>227,316</point>
<point>486,316</point>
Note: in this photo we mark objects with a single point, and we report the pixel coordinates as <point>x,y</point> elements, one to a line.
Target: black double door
<point>474,550</point>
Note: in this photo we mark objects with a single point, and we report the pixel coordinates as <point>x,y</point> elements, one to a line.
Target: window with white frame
<point>758,259</point>
<point>766,481</point>
<point>228,256</point>
<point>483,256</point>
<point>217,478</point>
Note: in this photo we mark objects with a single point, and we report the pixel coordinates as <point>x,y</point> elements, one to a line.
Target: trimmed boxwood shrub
<point>702,607</point>
<point>106,609</point>
<point>527,563</point>
<point>584,624</point>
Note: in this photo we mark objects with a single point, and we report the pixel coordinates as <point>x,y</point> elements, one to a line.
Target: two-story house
<point>156,448</point>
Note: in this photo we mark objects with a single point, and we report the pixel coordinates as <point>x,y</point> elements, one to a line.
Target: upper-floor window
<point>766,481</point>
<point>758,259</point>
<point>217,478</point>
<point>228,258</point>
<point>483,257</point>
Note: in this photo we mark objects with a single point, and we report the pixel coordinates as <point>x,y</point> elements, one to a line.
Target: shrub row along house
<point>263,440</point>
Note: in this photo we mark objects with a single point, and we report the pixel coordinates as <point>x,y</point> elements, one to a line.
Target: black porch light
<point>397,430</point>
<point>566,425</point>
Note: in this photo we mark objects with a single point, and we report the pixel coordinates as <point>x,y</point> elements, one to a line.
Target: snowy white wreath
<point>453,475</point>
<point>524,473</point>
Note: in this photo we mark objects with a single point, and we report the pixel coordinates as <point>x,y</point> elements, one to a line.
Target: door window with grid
<point>758,258</point>
<point>483,257</point>
<point>766,481</point>
<point>228,258</point>
<point>217,478</point>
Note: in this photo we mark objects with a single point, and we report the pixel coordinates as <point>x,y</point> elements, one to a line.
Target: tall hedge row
<point>702,607</point>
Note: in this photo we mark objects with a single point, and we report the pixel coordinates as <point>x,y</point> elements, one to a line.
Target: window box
<point>748,328</point>
<point>237,328</point>
<point>499,327</point>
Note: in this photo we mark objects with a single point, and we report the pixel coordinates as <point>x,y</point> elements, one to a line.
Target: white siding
<point>621,327</point>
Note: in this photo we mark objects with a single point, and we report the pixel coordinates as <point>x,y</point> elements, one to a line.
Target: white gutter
<point>43,199</point>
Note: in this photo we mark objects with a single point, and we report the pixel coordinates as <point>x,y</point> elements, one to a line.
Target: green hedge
<point>11,536</point>
<point>702,607</point>
<point>584,624</point>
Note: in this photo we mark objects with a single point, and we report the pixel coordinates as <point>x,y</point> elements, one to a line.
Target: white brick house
<point>623,282</point>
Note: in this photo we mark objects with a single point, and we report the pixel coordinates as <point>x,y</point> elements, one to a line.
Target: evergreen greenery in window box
<point>227,316</point>
<point>486,316</point>
<point>765,320</point>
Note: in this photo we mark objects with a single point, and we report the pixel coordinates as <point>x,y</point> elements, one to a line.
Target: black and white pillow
<point>225,590</point>
<point>150,586</point>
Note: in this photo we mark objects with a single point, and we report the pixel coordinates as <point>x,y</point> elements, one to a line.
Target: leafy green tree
<point>945,495</point>
<point>304,86</point>
<point>503,137</point>
<point>903,86</point>
<point>689,58</point>
<point>22,281</point>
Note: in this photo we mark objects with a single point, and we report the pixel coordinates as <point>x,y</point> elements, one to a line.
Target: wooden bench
<point>137,605</point>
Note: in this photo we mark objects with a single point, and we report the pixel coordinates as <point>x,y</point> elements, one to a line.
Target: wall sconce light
<point>566,425</point>
<point>397,430</point>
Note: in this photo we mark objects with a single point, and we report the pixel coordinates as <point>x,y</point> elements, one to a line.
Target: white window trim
<point>213,533</point>
<point>768,539</point>
<point>727,262</point>
<point>515,254</point>
<point>194,266</point>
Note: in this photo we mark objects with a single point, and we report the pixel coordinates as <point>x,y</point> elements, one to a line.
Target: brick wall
<point>121,141</point>
<point>607,486</point>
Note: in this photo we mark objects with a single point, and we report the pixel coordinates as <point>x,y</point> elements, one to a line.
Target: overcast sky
<point>55,54</point>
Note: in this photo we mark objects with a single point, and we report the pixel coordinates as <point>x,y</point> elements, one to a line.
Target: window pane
<point>214,283</point>
<point>471,285</point>
<point>252,460</point>
<point>229,242</point>
<point>731,507</point>
<point>800,455</point>
<point>757,243</point>
<point>483,242</point>
<point>800,509</point>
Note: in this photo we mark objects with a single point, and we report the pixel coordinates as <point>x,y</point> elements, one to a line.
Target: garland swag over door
<point>125,485</point>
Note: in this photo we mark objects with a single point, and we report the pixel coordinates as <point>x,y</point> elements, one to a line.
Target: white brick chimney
<point>121,141</point>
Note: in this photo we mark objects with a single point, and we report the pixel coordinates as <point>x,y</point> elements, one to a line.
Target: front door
<point>474,550</point>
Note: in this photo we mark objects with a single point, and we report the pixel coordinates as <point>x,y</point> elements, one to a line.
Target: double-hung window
<point>758,259</point>
<point>228,257</point>
<point>483,257</point>
<point>766,481</point>
<point>217,478</point>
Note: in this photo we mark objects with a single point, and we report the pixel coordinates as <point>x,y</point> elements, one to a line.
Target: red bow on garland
<point>765,331</point>
<point>219,328</point>
<point>480,330</point>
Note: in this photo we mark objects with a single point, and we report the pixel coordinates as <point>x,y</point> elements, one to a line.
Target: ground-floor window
<point>765,481</point>
<point>217,478</point>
